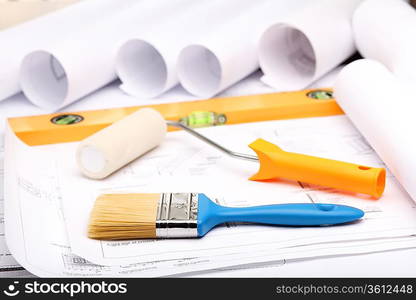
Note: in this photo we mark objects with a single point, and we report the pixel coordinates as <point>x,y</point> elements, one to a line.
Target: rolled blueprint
<point>385,30</point>
<point>66,71</point>
<point>146,64</point>
<point>17,41</point>
<point>225,56</point>
<point>383,110</point>
<point>118,144</point>
<point>307,44</point>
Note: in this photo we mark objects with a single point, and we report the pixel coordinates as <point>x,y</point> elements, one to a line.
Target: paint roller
<point>113,147</point>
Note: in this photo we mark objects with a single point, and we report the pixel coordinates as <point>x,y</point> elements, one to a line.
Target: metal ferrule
<point>177,215</point>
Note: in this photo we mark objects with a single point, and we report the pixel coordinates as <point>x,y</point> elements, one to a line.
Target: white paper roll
<point>307,44</point>
<point>222,58</point>
<point>118,144</point>
<point>385,30</point>
<point>383,110</point>
<point>17,41</point>
<point>68,70</point>
<point>147,64</point>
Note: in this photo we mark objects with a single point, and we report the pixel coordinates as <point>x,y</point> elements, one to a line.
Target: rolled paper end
<point>276,163</point>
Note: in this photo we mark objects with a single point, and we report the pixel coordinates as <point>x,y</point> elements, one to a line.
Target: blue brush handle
<point>211,214</point>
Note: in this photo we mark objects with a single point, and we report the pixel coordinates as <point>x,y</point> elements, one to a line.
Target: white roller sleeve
<point>118,144</point>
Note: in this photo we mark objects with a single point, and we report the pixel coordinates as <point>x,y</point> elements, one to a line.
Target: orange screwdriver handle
<point>276,163</point>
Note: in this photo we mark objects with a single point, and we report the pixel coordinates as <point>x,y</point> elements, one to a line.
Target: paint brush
<point>191,215</point>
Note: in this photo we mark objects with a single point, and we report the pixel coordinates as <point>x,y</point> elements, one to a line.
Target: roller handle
<point>276,163</point>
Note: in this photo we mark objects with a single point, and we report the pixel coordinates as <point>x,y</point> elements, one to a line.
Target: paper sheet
<point>385,30</point>
<point>108,97</point>
<point>146,64</point>
<point>307,44</point>
<point>56,175</point>
<point>206,170</point>
<point>217,60</point>
<point>337,250</point>
<point>382,108</point>
<point>68,70</point>
<point>37,237</point>
<point>8,265</point>
<point>17,41</point>
<point>386,264</point>
<point>63,262</point>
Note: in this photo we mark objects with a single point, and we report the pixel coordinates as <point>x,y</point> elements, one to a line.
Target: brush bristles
<point>124,216</point>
